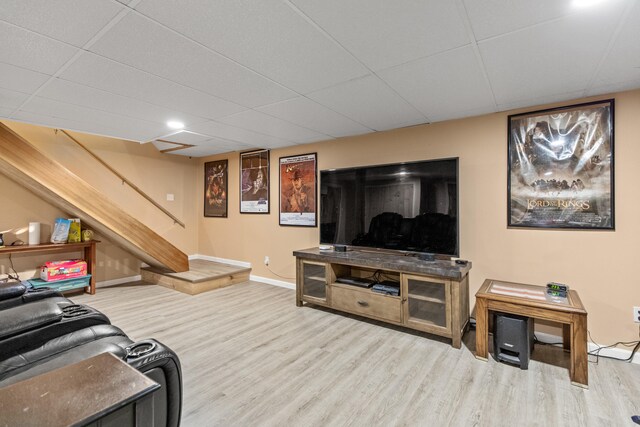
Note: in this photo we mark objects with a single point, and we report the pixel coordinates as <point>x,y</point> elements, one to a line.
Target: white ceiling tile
<point>493,17</point>
<point>163,145</point>
<point>74,125</point>
<point>29,50</point>
<point>102,73</point>
<point>185,62</point>
<point>442,84</point>
<point>545,59</point>
<point>11,98</point>
<point>203,150</point>
<point>462,113</point>
<point>368,101</point>
<point>267,36</point>
<point>70,21</point>
<point>272,126</point>
<point>622,64</point>
<point>129,126</point>
<point>383,33</point>
<point>236,134</point>
<point>305,112</point>
<point>20,79</point>
<point>186,137</point>
<point>77,94</point>
<point>6,112</point>
<point>540,100</point>
<point>614,87</point>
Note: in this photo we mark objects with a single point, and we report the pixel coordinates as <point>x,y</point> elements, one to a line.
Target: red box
<point>60,270</point>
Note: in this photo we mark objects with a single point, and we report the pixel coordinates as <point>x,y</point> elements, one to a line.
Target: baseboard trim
<point>273,282</point>
<point>114,282</point>
<point>618,353</point>
<point>222,260</point>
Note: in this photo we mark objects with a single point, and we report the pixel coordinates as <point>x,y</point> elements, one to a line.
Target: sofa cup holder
<point>75,310</point>
<point>139,349</point>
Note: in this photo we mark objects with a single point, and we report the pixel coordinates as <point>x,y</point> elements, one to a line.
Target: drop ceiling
<point>244,74</point>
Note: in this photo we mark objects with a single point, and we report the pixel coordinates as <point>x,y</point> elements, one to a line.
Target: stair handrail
<point>124,179</point>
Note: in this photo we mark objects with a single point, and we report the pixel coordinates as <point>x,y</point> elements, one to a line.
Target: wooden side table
<point>532,301</point>
<point>79,394</point>
<point>88,251</point>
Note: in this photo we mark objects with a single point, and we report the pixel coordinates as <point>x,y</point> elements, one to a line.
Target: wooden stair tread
<point>200,271</point>
<point>202,276</point>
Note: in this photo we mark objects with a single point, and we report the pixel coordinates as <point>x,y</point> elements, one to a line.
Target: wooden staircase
<point>26,165</point>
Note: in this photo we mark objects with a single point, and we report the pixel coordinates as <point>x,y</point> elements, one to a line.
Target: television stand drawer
<point>367,303</point>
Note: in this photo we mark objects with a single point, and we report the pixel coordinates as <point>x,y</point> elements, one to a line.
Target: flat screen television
<point>405,206</point>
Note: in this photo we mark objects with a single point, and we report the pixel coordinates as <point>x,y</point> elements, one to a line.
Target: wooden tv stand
<point>434,295</point>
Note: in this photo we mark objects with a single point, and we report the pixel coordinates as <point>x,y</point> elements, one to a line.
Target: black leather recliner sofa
<point>42,331</point>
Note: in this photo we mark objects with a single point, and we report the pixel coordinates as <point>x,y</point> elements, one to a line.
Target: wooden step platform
<point>202,276</point>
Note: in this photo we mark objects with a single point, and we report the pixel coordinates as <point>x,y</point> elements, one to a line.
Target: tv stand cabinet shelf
<point>434,295</point>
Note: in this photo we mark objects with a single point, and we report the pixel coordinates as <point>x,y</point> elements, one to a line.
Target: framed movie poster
<point>254,182</point>
<point>215,188</point>
<point>298,190</point>
<point>561,167</point>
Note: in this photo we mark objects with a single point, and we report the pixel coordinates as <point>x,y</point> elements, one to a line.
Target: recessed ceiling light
<point>580,4</point>
<point>174,124</point>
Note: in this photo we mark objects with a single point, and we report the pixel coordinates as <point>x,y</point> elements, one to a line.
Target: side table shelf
<point>87,248</point>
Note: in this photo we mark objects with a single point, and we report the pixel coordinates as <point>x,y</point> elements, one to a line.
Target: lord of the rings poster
<point>561,167</point>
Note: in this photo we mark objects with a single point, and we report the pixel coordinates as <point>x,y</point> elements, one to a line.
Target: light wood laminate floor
<point>250,357</point>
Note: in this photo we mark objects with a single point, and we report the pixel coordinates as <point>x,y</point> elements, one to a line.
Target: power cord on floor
<point>596,352</point>
<point>282,277</point>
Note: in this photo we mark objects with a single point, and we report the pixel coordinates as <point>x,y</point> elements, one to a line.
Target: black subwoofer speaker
<point>513,339</point>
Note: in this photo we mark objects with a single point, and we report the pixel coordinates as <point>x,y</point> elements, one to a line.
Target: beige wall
<point>155,173</point>
<point>599,265</point>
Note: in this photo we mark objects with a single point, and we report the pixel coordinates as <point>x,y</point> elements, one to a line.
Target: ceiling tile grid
<point>383,33</point>
<point>368,101</point>
<point>266,36</point>
<point>242,136</point>
<point>274,73</point>
<point>312,115</point>
<point>558,56</point>
<point>101,73</point>
<point>272,126</point>
<point>21,79</point>
<point>176,58</point>
<point>442,85</point>
<point>70,21</point>
<point>32,51</point>
<point>85,96</point>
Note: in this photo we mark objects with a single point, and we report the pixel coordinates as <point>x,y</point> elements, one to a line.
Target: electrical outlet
<point>636,314</point>
<point>266,260</point>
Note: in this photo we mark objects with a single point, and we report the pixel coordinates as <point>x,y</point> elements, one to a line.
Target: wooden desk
<point>77,394</point>
<point>88,249</point>
<point>531,301</point>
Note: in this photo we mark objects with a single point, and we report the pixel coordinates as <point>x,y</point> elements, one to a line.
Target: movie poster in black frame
<point>254,182</point>
<point>216,181</point>
<point>298,190</point>
<point>561,167</point>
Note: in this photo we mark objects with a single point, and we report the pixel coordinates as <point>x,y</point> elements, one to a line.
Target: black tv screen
<point>405,206</point>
